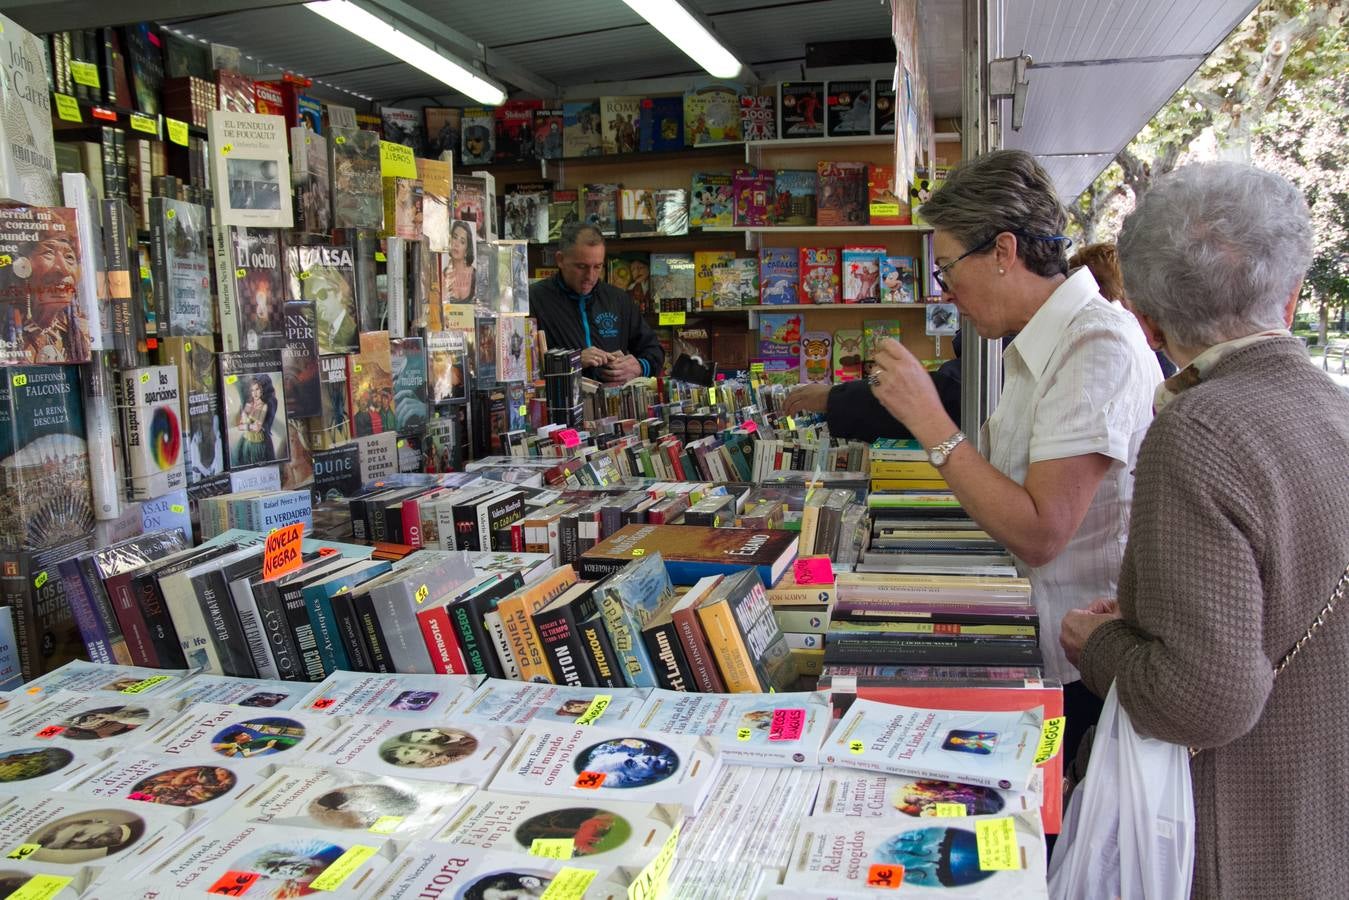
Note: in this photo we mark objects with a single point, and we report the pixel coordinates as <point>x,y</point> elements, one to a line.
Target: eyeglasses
<point>939,272</point>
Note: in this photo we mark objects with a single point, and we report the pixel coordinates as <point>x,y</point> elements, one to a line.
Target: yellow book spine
<point>723,638</point>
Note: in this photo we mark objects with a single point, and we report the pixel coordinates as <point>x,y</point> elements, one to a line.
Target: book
<point>357,191</point>
<point>619,120</point>
<point>711,199</point>
<point>422,869</point>
<point>593,761</point>
<point>779,275</point>
<point>254,176</point>
<point>785,729</point>
<point>849,352</point>
<point>660,124</point>
<point>672,278</point>
<point>259,693</point>
<point>637,212</point>
<point>705,264</point>
<point>515,130</point>
<point>152,441</point>
<point>204,452</point>
<point>393,696</point>
<point>526,213</point>
<point>425,749</point>
<point>672,212</point>
<point>442,131</point>
<point>821,274</point>
<point>548,124</point>
<point>801,109</point>
<point>313,183</point>
<point>404,126</point>
<point>780,336</point>
<point>627,601</point>
<point>563,208</point>
<point>151,778</point>
<point>470,205</point>
<point>27,153</point>
<point>711,115</point>
<point>855,793</point>
<point>370,383</point>
<point>862,274</point>
<point>631,272</point>
<point>259,287</point>
<point>938,851</point>
<point>883,106</point>
<point>115,680</point>
<point>300,360</point>
<point>758,117</point>
<point>517,612</point>
<point>182,275</point>
<point>599,207</point>
<point>817,357</point>
<point>897,280</point>
<point>516,703</point>
<point>925,184</point>
<point>408,358</point>
<point>848,108</point>
<point>571,658</point>
<point>994,749</point>
<point>46,321</point>
<point>885,204</point>
<point>793,197</point>
<point>253,399</point>
<point>75,719</point>
<point>691,552</point>
<point>477,137</point>
<point>744,636</point>
<point>753,197</point>
<point>44,459</point>
<point>581,128</point>
<point>842,193</point>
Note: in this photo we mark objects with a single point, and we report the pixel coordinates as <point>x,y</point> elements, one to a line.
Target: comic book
<point>581,127</point>
<point>357,189</point>
<point>515,130</point>
<point>671,277</point>
<point>370,385</point>
<point>661,126</point>
<point>885,205</point>
<point>477,137</point>
<point>672,212</point>
<point>619,120</point>
<point>897,279</point>
<point>548,125</point>
<point>404,126</point>
<point>862,274</point>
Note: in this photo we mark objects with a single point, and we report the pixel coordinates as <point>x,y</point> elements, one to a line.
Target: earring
<point>1002,271</point>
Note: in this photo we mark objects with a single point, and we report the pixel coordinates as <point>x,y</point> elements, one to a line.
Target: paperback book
<point>259,287</point>
<point>517,703</point>
<point>252,170</point>
<point>209,789</point>
<point>152,443</point>
<point>581,129</point>
<point>357,191</point>
<point>182,274</point>
<point>259,693</point>
<point>779,730</point>
<point>393,696</point>
<point>325,275</point>
<point>875,795</point>
<point>397,748</point>
<point>45,318</point>
<point>252,388</point>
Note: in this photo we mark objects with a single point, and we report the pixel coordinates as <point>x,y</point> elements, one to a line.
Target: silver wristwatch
<point>939,454</point>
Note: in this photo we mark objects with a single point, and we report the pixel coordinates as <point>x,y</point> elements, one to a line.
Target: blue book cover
<point>780,335</point>
<point>627,602</point>
<point>661,124</point>
<point>167,512</point>
<point>318,603</point>
<point>284,508</point>
<point>779,275</point>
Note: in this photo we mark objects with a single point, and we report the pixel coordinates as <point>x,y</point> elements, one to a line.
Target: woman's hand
<point>905,389</point>
<point>808,398</point>
<point>1079,625</point>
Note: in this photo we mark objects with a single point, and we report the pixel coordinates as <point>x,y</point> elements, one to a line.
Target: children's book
<point>897,284</point>
<point>848,354</point>
<point>711,199</point>
<point>801,109</point>
<point>842,193</point>
<point>821,273</point>
<point>817,357</point>
<point>712,115</point>
<point>779,276</point>
<point>794,197</point>
<point>849,108</point>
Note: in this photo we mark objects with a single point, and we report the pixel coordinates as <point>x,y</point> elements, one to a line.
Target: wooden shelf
<point>536,167</point>
<point>813,229</point>
<point>854,140</point>
<point>788,307</point>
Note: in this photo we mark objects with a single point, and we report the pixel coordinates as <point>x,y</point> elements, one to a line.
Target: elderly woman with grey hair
<point>1240,533</point>
<point>1076,400</point>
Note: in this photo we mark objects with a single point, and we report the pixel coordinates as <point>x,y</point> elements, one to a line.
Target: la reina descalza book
<point>994,749</point>
<point>251,169</point>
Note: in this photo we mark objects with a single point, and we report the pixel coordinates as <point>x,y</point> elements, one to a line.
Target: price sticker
<point>41,887</point>
<point>884,875</point>
<point>233,884</point>
<point>85,73</point>
<point>711,395</point>
<point>145,273</point>
<point>569,437</point>
<point>282,551</point>
<point>240,273</point>
<point>787,724</point>
<point>68,108</point>
<point>327,551</point>
<point>5,260</point>
<point>177,131</point>
<point>856,747</point>
<point>145,684</point>
<point>638,551</point>
<point>590,780</point>
<point>356,368</point>
<point>340,140</point>
<point>380,257</point>
<point>553,848</point>
<point>756,368</point>
<point>672,318</point>
<point>595,709</point>
<point>343,868</point>
<point>744,734</point>
<point>386,824</point>
<point>145,124</point>
<point>1051,740</point>
<point>422,593</point>
<point>813,570</point>
<point>145,379</point>
<point>106,115</point>
<point>948,810</point>
<point>19,380</point>
<point>996,840</point>
<point>50,731</point>
<point>225,149</point>
<point>177,509</point>
<point>523,410</point>
<point>791,423</point>
<point>402,443</point>
<point>40,580</point>
<point>231,379</point>
<point>23,851</point>
<point>650,882</point>
<point>569,883</point>
<point>322,703</point>
<point>305,276</point>
<point>170,213</point>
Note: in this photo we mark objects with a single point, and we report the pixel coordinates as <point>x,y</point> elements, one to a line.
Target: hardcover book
<point>886,205</point>
<point>883,106</point>
<point>27,153</point>
<point>477,136</point>
<point>821,274</point>
<point>526,213</point>
<point>712,115</point>
<point>45,320</point>
<point>692,552</point>
<point>753,197</point>
<point>470,205</point>
<point>637,212</point>
<point>313,185</point>
<point>848,108</point>
<point>442,131</point>
<point>849,353</point>
<point>619,120</point>
<point>758,118</point>
<point>260,288</point>
<point>357,191</point>
<point>548,124</point>
<point>672,277</point>
<point>252,170</point>
<point>599,207</point>
<point>794,197</point>
<point>842,193</point>
<point>897,280</point>
<point>672,212</point>
<point>711,199</point>
<point>370,382</point>
<point>780,335</point>
<point>779,276</point>
<point>515,130</point>
<point>817,357</point>
<point>661,124</point>
<point>801,109</point>
<point>182,273</point>
<point>581,128</point>
<point>252,388</point>
<point>862,274</point>
<point>325,275</point>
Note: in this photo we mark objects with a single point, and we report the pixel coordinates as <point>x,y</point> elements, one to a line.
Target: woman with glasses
<point>1239,533</point>
<point>1076,398</point>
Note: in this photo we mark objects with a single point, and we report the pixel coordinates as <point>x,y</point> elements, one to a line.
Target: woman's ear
<point>1291,309</point>
<point>1004,250</point>
<point>1151,330</point>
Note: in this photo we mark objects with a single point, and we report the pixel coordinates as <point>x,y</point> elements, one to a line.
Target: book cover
<point>357,189</point>
<point>252,170</point>
<point>74,719</point>
<point>508,334</point>
<point>370,382</point>
<point>333,425</point>
<point>885,204</point>
<point>470,205</point>
<point>182,273</point>
<point>548,124</point>
<point>897,280</point>
<point>424,869</point>
<point>848,105</point>
<point>325,275</point>
<point>883,106</point>
<point>44,459</point>
<point>744,635</point>
<point>779,275</point>
<point>711,199</point>
<point>784,729</point>
<point>660,124</point>
<point>599,207</point>
<point>705,265</point>
<point>637,212</point>
<point>517,703</point>
<point>258,693</point>
<point>780,335</point>
<point>597,762</point>
<point>300,361</point>
<point>712,115</point>
<point>753,197</point>
<point>619,120</point>
<point>391,696</point>
<point>873,332</point>
<point>693,552</point>
<point>627,601</point>
<point>821,274</point>
<point>801,109</point>
<point>45,321</point>
<point>817,357</point>
<point>841,856</point>
<point>259,288</point>
<point>27,151</point>
<point>842,193</point>
<point>477,136</point>
<point>526,213</point>
<point>516,615</point>
<point>794,197</point>
<point>408,358</point>
<point>672,212</point>
<point>252,389</point>
<point>859,794</point>
<point>758,117</point>
<point>446,362</point>
<point>672,277</point>
<point>581,128</point>
<point>313,185</point>
<point>849,352</point>
<point>563,208</point>
<point>437,178</point>
<point>862,274</point>
<point>404,126</point>
<point>631,272</point>
<point>152,439</point>
<point>150,778</point>
<point>442,131</point>
<point>426,749</point>
<point>925,184</point>
<point>342,800</point>
<point>195,360</point>
<point>558,625</point>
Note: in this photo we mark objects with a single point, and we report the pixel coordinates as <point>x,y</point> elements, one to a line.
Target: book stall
<point>325,569</point>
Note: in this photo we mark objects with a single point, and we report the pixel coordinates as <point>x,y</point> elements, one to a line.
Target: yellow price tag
<point>145,273</point>
<point>458,317</point>
<point>386,824</point>
<point>756,368</point>
<point>40,580</point>
<point>743,734</point>
<point>144,685</point>
<point>948,810</point>
<point>356,368</point>
<point>380,257</point>
<point>672,318</point>
<point>177,508</point>
<point>225,149</point>
<point>145,124</point>
<point>85,73</point>
<point>177,131</point>
<point>145,379</point>
<point>570,883</point>
<point>187,346</point>
<point>996,839</point>
<point>343,868</point>
<point>650,882</point>
<point>231,379</point>
<point>856,747</point>
<point>41,887</point>
<point>23,851</point>
<point>639,552</point>
<point>1051,740</point>
<point>240,273</point>
<point>791,423</point>
<point>170,213</point>
<point>5,259</point>
<point>523,410</point>
<point>19,380</point>
<point>305,276</point>
<point>68,108</point>
<point>553,848</point>
<point>421,595</point>
<point>595,709</point>
<point>711,395</point>
<point>339,140</point>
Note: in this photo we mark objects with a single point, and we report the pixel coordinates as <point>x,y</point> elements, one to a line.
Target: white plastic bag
<point>1129,828</point>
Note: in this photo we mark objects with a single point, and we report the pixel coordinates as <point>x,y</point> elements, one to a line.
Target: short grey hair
<point>574,233</point>
<point>1006,190</point>
<point>1214,251</point>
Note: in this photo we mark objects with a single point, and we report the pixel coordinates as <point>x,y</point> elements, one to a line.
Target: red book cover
<point>132,620</point>
<point>821,274</point>
<point>842,193</point>
<point>442,643</point>
<point>268,98</point>
<point>706,675</point>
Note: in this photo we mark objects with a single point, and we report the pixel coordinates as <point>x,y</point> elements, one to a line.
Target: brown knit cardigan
<point>1240,528</point>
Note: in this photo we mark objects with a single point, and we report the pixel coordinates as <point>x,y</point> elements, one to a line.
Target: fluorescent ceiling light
<point>411,50</point>
<point>671,19</point>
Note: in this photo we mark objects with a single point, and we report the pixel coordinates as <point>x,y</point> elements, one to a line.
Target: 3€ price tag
<point>882,875</point>
<point>145,124</point>
<point>282,552</point>
<point>233,884</point>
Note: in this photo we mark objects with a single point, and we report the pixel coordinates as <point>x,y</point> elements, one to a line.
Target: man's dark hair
<point>574,233</point>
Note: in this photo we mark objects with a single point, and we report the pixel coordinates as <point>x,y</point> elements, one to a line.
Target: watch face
<point>937,457</point>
